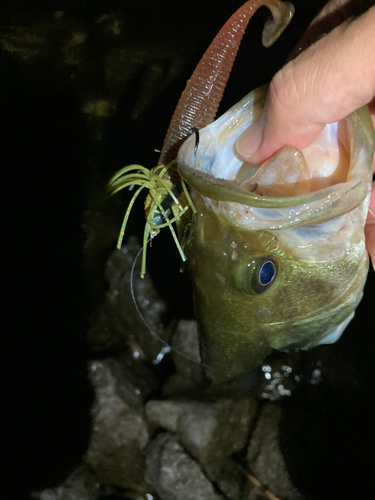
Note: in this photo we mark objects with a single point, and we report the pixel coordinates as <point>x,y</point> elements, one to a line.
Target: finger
<point>324,84</point>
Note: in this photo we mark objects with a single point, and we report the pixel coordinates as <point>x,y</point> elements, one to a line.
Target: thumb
<point>324,84</point>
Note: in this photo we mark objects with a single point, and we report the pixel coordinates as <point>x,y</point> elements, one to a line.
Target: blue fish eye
<point>267,273</point>
<point>258,275</point>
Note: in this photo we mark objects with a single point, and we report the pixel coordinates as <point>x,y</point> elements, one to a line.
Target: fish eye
<point>258,275</point>
<point>267,273</point>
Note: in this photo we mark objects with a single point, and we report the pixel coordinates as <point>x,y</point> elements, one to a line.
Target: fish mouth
<point>318,206</point>
<point>227,191</point>
<point>211,168</point>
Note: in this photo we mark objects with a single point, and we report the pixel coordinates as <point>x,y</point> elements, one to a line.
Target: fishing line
<point>166,345</point>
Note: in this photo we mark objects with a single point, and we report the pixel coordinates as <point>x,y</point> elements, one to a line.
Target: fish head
<point>276,252</point>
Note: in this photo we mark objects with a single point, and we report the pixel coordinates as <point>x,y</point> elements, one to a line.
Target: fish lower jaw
<point>333,334</point>
<point>319,329</point>
<point>329,336</point>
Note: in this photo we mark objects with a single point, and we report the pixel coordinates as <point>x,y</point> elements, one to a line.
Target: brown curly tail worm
<point>200,100</point>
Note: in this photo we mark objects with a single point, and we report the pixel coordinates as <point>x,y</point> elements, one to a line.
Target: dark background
<point>47,283</point>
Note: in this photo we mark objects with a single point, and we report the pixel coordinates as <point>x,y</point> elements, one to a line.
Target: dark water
<point>327,434</point>
<point>45,396</point>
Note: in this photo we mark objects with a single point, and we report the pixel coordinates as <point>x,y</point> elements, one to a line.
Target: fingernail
<point>248,143</point>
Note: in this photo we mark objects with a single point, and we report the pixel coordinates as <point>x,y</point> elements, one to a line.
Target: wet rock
<point>185,341</point>
<point>117,324</point>
<point>210,431</point>
<point>119,431</point>
<point>231,480</point>
<point>265,459</point>
<point>103,335</point>
<point>132,380</point>
<point>174,474</point>
<point>178,386</point>
<point>80,485</point>
<point>165,414</point>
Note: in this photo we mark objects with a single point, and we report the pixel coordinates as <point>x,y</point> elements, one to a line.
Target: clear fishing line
<point>169,347</point>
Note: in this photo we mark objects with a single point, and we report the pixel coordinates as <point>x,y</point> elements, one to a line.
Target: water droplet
<point>287,368</point>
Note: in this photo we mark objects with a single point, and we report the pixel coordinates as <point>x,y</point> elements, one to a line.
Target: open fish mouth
<point>325,180</point>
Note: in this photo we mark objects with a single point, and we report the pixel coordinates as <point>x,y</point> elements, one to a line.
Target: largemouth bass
<point>276,253</point>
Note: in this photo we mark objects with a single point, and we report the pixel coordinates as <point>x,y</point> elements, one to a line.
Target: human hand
<point>324,84</point>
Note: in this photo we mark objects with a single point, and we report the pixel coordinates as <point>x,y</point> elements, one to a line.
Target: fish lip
<point>316,207</point>
<point>230,193</point>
